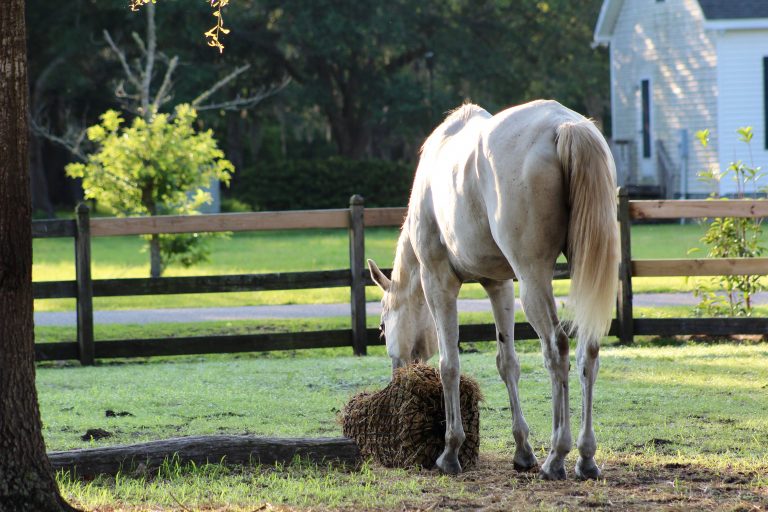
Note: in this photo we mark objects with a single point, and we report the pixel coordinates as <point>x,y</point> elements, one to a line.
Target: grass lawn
<point>122,257</point>
<point>682,426</point>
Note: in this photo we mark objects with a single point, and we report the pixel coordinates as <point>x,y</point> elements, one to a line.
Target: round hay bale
<point>403,425</point>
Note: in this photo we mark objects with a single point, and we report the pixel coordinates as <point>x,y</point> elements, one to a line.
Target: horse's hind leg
<point>502,295</point>
<point>441,290</point>
<point>587,357</point>
<point>539,305</point>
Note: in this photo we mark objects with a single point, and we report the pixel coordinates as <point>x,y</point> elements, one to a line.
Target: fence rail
<point>355,219</point>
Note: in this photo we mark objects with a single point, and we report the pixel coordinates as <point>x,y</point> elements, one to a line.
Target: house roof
<point>718,14</point>
<point>734,9</point>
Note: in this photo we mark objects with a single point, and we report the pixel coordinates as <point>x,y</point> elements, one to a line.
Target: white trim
<point>737,24</point>
<point>612,87</point>
<point>606,22</point>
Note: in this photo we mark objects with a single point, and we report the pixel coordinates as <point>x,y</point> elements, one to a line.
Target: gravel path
<point>67,318</point>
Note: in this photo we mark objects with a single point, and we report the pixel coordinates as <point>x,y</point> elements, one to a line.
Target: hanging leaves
<point>212,35</point>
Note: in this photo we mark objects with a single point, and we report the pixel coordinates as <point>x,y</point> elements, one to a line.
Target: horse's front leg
<point>587,356</point>
<point>441,292</point>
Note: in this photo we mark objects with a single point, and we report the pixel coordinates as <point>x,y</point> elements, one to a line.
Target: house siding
<point>665,42</point>
<point>742,100</point>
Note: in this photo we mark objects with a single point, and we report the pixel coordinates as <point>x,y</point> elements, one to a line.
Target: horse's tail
<point>593,238</point>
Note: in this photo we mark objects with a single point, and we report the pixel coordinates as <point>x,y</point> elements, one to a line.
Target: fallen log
<point>235,450</point>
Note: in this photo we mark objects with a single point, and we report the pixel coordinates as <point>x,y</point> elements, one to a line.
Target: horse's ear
<point>378,276</point>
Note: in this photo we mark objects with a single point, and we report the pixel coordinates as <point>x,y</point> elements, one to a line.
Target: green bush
<point>327,183</point>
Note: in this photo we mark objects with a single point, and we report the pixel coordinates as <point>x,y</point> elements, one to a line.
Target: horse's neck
<point>406,269</point>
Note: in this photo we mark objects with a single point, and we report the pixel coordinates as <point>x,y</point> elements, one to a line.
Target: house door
<point>645,153</point>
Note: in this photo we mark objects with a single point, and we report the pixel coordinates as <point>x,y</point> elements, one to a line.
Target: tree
<point>26,479</point>
<point>158,166</point>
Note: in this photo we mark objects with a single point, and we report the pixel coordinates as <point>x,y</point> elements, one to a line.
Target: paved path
<point>67,318</point>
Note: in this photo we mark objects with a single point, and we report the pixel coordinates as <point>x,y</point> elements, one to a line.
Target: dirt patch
<point>493,485</point>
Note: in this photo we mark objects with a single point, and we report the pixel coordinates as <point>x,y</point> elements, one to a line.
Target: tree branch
<point>71,140</point>
<point>248,102</point>
<point>162,95</point>
<point>218,85</point>
<point>120,55</point>
<point>146,82</point>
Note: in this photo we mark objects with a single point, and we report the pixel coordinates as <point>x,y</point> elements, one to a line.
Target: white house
<point>677,67</point>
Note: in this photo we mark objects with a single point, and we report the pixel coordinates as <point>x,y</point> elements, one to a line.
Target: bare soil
<point>495,486</point>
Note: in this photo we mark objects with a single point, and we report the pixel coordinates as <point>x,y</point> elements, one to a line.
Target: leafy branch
<point>728,237</point>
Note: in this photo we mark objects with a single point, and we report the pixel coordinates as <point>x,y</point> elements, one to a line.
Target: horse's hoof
<point>552,474</point>
<point>449,464</point>
<point>524,461</point>
<point>586,469</point>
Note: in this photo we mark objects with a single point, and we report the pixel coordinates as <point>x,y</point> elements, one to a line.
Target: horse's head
<point>406,323</point>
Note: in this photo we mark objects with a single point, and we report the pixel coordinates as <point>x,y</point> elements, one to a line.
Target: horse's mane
<point>453,123</point>
<point>401,269</point>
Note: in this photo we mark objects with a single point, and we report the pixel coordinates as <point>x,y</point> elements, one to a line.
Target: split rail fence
<point>355,219</point>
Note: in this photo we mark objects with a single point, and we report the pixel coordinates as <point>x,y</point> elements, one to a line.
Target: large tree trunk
<point>41,201</point>
<point>26,479</point>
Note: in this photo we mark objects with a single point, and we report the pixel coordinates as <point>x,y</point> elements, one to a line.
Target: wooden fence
<point>355,219</point>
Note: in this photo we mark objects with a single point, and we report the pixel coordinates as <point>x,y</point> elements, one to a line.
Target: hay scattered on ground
<point>403,425</point>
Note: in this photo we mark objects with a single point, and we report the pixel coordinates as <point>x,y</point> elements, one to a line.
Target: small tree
<point>728,237</point>
<point>156,167</point>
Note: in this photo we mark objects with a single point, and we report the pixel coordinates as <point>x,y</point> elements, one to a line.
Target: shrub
<point>327,183</point>
<point>728,237</point>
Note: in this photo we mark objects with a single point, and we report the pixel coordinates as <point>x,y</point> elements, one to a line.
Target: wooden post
<point>624,299</point>
<point>84,286</point>
<point>357,267</point>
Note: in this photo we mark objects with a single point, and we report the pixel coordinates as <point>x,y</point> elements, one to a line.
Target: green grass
<point>122,257</point>
<point>698,405</point>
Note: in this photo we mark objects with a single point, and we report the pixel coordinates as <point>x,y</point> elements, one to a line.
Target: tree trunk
<point>155,258</point>
<point>41,201</point>
<point>26,478</point>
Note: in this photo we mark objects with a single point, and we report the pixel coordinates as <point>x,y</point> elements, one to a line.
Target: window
<point>765,99</point>
<point>645,98</point>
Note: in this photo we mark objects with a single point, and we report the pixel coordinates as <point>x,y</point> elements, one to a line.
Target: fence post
<point>357,267</point>
<point>624,299</point>
<point>84,286</point>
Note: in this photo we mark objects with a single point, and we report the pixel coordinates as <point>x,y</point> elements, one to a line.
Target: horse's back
<point>498,183</point>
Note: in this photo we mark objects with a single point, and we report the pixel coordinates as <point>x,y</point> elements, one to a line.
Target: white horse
<point>496,197</point>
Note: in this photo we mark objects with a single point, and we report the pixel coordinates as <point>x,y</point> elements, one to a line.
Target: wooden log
<point>689,208</point>
<point>235,450</point>
<point>700,267</point>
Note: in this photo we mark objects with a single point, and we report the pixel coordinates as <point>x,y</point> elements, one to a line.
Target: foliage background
<point>362,87</point>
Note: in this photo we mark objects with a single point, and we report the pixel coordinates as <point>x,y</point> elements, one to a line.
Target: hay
<point>403,425</point>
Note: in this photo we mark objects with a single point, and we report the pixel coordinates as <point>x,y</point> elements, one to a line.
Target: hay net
<point>403,425</point>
